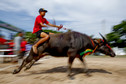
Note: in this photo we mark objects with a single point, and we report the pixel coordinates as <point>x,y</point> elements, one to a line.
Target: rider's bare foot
<point>34,49</point>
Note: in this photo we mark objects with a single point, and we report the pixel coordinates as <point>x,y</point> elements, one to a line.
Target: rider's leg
<point>44,38</point>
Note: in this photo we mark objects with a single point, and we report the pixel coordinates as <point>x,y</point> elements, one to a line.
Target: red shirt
<point>23,44</point>
<point>39,19</point>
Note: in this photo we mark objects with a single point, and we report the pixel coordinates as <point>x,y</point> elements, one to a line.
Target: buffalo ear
<point>105,41</point>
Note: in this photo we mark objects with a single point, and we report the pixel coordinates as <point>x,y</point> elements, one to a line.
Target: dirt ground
<point>103,70</point>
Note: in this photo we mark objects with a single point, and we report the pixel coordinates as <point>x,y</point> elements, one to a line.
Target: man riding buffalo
<point>40,22</point>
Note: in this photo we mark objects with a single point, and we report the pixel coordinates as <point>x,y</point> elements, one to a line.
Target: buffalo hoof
<point>85,70</point>
<point>68,73</point>
<point>15,71</point>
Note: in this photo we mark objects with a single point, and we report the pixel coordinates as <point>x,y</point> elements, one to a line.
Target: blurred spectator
<point>17,43</point>
<point>23,48</point>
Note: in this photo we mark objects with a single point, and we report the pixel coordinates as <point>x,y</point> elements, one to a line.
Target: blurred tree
<point>30,37</point>
<point>117,37</point>
<point>52,31</point>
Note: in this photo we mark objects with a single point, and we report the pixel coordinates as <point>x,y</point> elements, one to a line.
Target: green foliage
<point>52,31</point>
<point>31,38</point>
<point>118,35</point>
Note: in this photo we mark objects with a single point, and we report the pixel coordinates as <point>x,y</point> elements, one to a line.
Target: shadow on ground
<point>63,69</point>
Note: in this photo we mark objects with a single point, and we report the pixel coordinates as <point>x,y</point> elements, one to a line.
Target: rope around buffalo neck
<point>88,51</point>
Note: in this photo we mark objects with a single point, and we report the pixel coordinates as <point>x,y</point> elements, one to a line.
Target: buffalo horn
<point>103,38</point>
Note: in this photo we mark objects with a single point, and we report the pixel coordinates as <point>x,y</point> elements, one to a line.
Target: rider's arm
<point>52,25</point>
<point>43,24</point>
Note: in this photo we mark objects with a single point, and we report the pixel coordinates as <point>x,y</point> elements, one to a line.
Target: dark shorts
<point>39,32</point>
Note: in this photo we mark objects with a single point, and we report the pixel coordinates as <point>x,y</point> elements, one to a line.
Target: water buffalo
<point>69,44</point>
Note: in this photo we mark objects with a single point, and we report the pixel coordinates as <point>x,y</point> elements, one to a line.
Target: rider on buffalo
<point>40,22</point>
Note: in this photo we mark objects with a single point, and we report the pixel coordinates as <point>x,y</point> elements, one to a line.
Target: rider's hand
<point>59,27</point>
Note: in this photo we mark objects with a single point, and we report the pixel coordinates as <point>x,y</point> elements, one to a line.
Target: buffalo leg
<point>33,61</point>
<point>71,59</point>
<point>19,69</point>
<point>71,55</point>
<point>30,65</point>
<point>24,63</point>
<point>84,64</point>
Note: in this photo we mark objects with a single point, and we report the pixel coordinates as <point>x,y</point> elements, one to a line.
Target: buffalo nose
<point>113,54</point>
